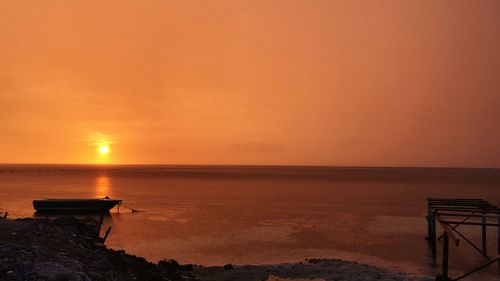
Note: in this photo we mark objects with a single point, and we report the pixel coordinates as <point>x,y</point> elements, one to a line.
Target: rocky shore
<point>308,270</point>
<point>68,249</point>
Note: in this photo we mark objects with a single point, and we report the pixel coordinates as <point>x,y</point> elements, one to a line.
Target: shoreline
<point>69,249</point>
<point>309,269</point>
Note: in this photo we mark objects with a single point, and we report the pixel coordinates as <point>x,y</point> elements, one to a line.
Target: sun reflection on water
<point>103,186</point>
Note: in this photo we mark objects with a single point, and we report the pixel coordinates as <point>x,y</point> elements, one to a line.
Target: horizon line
<point>255,166</point>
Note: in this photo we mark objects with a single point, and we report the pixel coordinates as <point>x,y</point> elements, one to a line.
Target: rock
<point>64,250</point>
<point>186,267</point>
<point>169,265</point>
<point>95,275</point>
<point>101,264</point>
<point>85,277</point>
<point>123,276</point>
<point>57,271</point>
<point>228,267</point>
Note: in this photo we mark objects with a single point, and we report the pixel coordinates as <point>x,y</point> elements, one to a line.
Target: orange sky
<point>370,83</point>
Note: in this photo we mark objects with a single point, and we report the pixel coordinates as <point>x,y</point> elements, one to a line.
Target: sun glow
<point>103,149</point>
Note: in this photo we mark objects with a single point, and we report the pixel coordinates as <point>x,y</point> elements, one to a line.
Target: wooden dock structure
<point>452,213</point>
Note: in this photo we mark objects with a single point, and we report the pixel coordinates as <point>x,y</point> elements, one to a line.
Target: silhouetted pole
<point>101,219</point>
<point>429,211</point>
<point>483,227</point>
<point>106,235</point>
<point>445,255</point>
<point>432,236</point>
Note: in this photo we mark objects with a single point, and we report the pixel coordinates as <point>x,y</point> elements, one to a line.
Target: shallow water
<point>219,215</point>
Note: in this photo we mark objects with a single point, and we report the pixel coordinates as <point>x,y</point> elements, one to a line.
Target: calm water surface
<point>219,215</point>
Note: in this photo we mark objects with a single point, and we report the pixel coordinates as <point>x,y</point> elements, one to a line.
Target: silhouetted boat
<point>75,205</point>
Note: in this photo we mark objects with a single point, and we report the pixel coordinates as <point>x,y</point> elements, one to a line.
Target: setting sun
<point>233,132</point>
<point>103,149</point>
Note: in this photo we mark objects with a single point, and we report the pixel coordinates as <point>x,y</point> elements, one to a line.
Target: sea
<point>216,215</point>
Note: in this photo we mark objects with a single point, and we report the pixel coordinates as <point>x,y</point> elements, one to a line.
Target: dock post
<point>484,234</point>
<point>432,236</point>
<point>101,219</point>
<point>106,235</point>
<point>445,255</point>
<point>429,211</point>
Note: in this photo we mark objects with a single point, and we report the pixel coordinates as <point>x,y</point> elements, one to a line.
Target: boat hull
<point>75,205</point>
